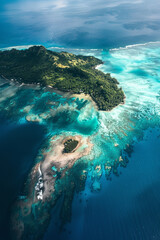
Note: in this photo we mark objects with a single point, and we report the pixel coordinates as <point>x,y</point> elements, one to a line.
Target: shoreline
<point>61,161</point>
<point>67,94</point>
<point>86,97</point>
<point>40,185</point>
<point>120,104</point>
<point>100,86</point>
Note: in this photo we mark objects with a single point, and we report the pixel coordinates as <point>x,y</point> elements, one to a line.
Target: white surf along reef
<point>137,69</point>
<point>109,134</point>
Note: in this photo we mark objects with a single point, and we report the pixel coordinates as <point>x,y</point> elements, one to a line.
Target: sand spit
<point>40,186</point>
<point>56,159</point>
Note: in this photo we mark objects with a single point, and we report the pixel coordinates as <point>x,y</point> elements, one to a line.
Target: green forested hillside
<point>63,71</point>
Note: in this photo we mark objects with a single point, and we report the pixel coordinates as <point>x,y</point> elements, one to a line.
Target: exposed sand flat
<point>55,157</point>
<point>59,160</point>
<point>43,177</point>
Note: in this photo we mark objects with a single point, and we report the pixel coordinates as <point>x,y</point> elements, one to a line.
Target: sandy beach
<point>86,97</point>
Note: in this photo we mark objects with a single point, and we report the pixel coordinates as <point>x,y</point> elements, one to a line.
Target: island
<point>62,71</point>
<point>48,181</point>
<point>60,167</point>
<point>70,145</point>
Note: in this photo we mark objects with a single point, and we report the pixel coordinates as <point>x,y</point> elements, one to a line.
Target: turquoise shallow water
<point>118,137</point>
<point>127,207</point>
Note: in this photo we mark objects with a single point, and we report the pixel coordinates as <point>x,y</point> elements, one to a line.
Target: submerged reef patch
<point>100,143</point>
<point>62,71</point>
<point>42,188</point>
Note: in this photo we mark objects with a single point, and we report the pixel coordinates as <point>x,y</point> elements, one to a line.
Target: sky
<point>80,23</point>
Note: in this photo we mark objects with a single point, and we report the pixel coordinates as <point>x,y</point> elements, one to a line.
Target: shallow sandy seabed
<point>55,157</point>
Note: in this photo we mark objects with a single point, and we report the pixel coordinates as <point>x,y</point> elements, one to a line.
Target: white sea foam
<point>134,45</point>
<point>141,90</point>
<point>137,69</point>
<point>77,49</point>
<point>137,76</point>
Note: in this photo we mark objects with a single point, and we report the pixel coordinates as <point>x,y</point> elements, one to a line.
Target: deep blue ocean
<point>125,205</point>
<point>121,197</point>
<point>19,145</point>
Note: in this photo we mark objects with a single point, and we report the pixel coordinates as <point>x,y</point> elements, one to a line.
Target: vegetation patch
<point>63,71</point>
<point>70,145</point>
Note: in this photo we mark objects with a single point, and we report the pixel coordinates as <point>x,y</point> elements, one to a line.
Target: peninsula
<point>63,71</point>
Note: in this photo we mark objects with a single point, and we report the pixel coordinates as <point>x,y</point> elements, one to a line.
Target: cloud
<point>70,20</point>
<point>35,6</point>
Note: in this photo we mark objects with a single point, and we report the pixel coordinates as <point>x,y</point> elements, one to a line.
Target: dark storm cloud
<point>80,23</point>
